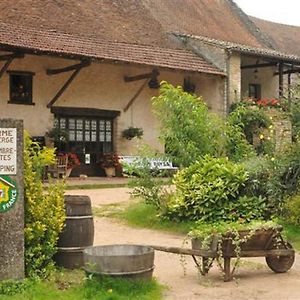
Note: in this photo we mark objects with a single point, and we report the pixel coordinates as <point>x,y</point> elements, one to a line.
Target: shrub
<point>146,182</point>
<point>291,210</point>
<point>237,147</point>
<point>294,108</point>
<point>44,211</point>
<point>251,120</point>
<point>247,123</point>
<point>246,209</point>
<point>287,164</point>
<point>205,190</point>
<point>273,178</point>
<point>263,181</point>
<point>188,129</point>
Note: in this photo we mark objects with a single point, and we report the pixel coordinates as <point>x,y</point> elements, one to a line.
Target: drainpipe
<point>280,69</point>
<point>227,84</point>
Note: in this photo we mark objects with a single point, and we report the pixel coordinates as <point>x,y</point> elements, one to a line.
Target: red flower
<point>73,159</point>
<point>268,102</point>
<point>109,160</point>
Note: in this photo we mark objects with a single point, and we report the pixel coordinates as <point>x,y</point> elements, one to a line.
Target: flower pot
<point>110,172</point>
<point>68,172</point>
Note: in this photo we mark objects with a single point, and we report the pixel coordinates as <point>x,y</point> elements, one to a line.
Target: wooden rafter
<point>292,71</point>
<point>135,95</point>
<point>76,68</point>
<point>8,58</point>
<point>264,65</point>
<point>5,66</point>
<point>64,87</point>
<point>153,74</point>
<point>68,68</point>
<point>12,55</point>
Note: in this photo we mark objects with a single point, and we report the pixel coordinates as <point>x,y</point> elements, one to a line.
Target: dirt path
<point>254,280</point>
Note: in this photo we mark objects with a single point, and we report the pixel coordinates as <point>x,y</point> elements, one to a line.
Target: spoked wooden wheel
<point>281,264</point>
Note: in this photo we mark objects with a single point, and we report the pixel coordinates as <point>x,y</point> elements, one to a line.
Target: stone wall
<point>234,78</point>
<point>12,221</point>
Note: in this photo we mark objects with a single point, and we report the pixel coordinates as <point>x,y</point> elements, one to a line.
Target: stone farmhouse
<point>92,66</point>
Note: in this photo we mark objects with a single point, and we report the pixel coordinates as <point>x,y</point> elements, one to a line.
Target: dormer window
<point>20,87</point>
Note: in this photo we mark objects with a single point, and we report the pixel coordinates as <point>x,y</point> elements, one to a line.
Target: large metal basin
<point>126,261</point>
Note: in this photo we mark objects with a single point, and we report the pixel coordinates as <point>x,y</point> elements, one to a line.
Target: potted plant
<point>72,161</point>
<point>56,135</point>
<point>109,162</point>
<point>132,132</point>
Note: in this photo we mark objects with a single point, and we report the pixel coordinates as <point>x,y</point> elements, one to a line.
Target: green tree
<point>187,128</point>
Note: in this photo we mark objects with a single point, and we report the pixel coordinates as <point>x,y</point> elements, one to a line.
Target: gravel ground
<point>253,280</point>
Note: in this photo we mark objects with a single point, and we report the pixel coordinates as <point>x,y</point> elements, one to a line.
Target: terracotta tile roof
<point>266,52</point>
<point>216,19</point>
<point>66,44</point>
<point>137,30</point>
<point>131,21</point>
<point>286,38</point>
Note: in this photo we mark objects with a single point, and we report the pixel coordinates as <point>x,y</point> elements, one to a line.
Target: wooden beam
<point>135,96</point>
<point>185,251</point>
<point>292,71</point>
<point>12,55</point>
<point>5,66</point>
<point>280,70</point>
<point>84,111</point>
<point>69,68</point>
<point>259,65</point>
<point>64,87</point>
<point>289,90</point>
<point>154,73</point>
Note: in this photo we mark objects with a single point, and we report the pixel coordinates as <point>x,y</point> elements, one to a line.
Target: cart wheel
<point>281,264</point>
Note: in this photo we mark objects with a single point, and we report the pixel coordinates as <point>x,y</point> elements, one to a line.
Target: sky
<point>280,11</point>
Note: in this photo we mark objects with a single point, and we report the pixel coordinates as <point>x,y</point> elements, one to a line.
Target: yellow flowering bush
<point>44,211</point>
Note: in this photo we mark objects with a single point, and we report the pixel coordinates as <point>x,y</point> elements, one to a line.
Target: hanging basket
<point>132,132</point>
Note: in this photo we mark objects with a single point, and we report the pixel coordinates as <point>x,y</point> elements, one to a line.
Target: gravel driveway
<point>254,280</point>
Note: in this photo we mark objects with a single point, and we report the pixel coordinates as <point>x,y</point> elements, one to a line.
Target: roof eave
<point>76,56</point>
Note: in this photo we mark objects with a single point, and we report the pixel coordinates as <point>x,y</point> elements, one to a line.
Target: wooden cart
<point>269,243</point>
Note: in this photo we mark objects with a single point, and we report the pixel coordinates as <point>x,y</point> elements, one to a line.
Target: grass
<point>292,233</point>
<point>95,186</point>
<point>74,285</point>
<point>83,186</point>
<point>139,214</point>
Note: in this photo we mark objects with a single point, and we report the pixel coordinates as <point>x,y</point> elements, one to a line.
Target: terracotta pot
<point>68,172</point>
<point>110,172</point>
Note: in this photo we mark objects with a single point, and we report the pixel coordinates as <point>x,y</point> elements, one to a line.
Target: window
<point>255,91</point>
<point>20,87</point>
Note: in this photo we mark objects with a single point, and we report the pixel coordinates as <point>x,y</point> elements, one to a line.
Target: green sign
<point>8,193</point>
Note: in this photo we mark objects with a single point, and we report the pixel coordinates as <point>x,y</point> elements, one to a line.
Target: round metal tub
<point>126,261</point>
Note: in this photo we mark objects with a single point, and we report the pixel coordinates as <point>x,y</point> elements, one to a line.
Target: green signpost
<point>8,193</point>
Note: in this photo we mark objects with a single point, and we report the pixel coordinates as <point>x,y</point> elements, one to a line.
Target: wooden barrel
<point>78,232</point>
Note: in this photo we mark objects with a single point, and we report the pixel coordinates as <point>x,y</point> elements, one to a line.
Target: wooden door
<point>89,138</point>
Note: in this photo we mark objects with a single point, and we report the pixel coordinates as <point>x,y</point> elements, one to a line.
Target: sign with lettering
<point>8,151</point>
<point>8,193</point>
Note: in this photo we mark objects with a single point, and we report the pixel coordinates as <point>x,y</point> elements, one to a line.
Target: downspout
<point>227,83</point>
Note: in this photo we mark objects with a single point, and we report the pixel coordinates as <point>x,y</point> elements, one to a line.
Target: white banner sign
<point>8,151</point>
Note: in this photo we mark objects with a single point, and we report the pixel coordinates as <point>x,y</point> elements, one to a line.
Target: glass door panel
<point>89,138</point>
